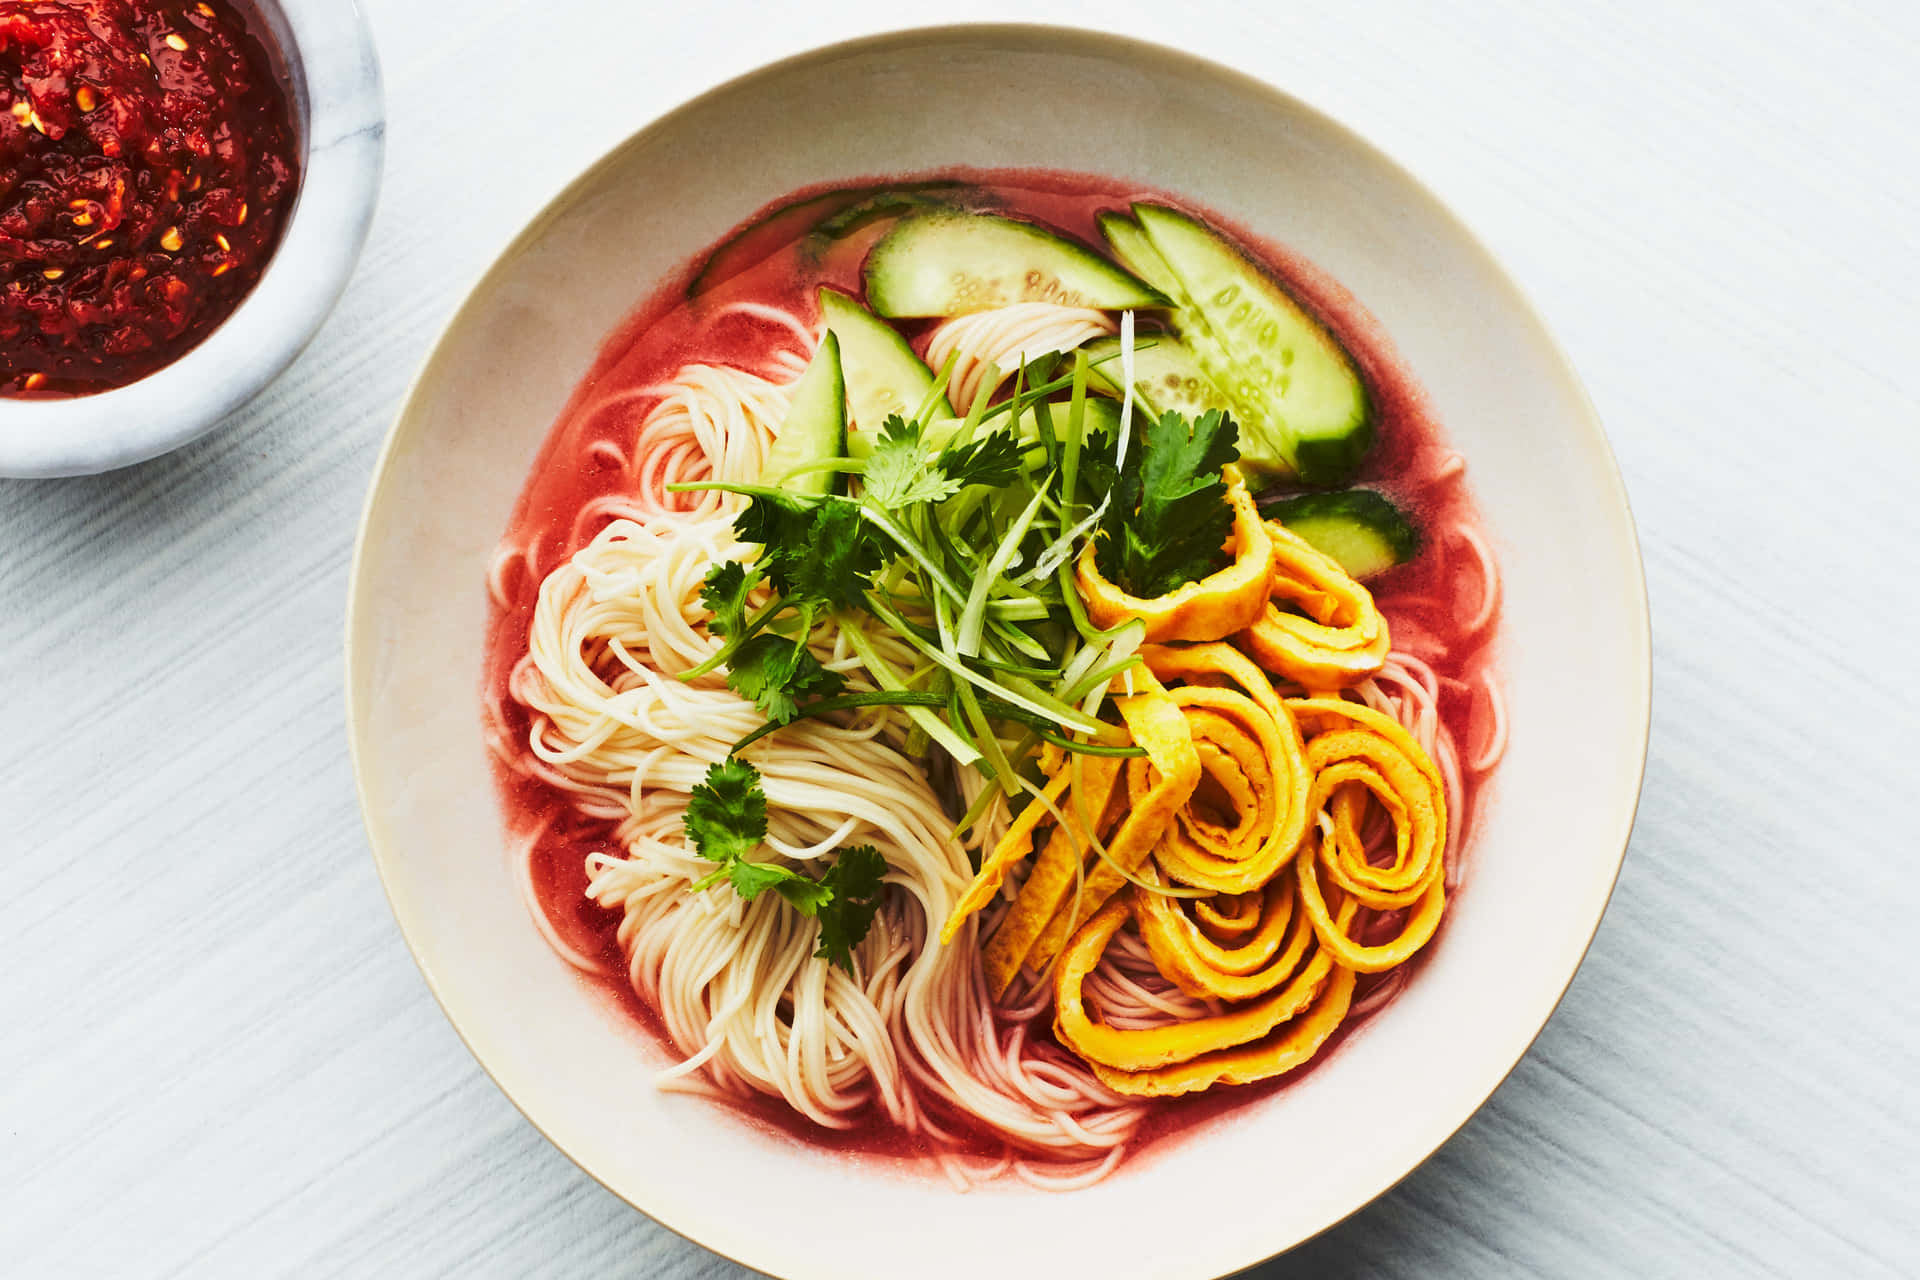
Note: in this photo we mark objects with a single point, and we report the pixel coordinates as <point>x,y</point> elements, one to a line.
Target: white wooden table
<point>216,1057</point>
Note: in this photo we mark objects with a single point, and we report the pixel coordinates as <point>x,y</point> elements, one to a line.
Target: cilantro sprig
<point>1169,517</point>
<point>727,820</point>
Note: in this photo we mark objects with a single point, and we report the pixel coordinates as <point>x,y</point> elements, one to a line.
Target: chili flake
<point>146,170</point>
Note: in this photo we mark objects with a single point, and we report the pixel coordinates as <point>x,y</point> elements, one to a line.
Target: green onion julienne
<point>996,501</point>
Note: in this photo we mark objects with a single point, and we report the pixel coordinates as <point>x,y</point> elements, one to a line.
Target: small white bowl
<point>1576,657</point>
<point>325,51</point>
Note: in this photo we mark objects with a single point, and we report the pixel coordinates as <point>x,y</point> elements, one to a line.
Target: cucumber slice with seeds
<point>949,264</point>
<point>1298,393</point>
<point>1361,528</point>
<point>883,376</point>
<point>815,429</point>
<point>1166,376</point>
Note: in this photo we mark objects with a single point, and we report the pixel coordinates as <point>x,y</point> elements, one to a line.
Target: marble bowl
<point>325,51</point>
<point>1576,662</point>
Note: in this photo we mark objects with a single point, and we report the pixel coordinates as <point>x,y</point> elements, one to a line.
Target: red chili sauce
<point>146,169</point>
<point>1409,461</point>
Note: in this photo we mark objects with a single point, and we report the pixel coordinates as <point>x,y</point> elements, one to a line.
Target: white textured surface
<point>217,1059</point>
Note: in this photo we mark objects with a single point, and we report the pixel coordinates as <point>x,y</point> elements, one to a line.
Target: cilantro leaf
<point>991,459</point>
<point>725,594</point>
<point>774,673</point>
<point>750,879</point>
<point>856,880</point>
<point>778,522</point>
<point>899,472</point>
<point>727,819</point>
<point>805,895</point>
<point>727,814</point>
<point>1169,520</point>
<point>816,552</point>
<point>829,569</point>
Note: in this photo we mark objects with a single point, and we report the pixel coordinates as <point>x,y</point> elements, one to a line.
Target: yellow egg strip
<point>1192,963</point>
<point>1341,640</point>
<point>1157,788</point>
<point>1418,928</point>
<point>1418,808</point>
<point>1187,1044</point>
<point>1011,849</point>
<point>1356,746</point>
<point>1054,873</point>
<point>1282,1050</point>
<point>1211,608</point>
<point>1229,918</point>
<point>1268,785</point>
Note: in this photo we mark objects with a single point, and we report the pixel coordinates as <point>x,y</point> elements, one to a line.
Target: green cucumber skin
<point>1301,397</point>
<point>892,203</point>
<point>761,239</point>
<point>930,265</point>
<point>1260,450</point>
<point>1166,376</point>
<point>883,375</point>
<point>841,208</point>
<point>815,429</point>
<point>1132,249</point>
<point>1361,528</point>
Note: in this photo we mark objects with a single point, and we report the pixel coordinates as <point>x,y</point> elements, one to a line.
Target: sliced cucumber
<point>949,264</point>
<point>1137,254</point>
<point>1360,528</point>
<point>759,240</point>
<point>883,376</point>
<point>815,429</point>
<point>891,203</point>
<point>1300,399</point>
<point>1166,375</point>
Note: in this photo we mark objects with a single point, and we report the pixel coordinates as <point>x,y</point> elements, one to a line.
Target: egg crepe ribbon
<point>1204,968</point>
<point>1251,755</point>
<point>1228,918</point>
<point>1263,1038</point>
<point>1210,608</point>
<point>1091,804</point>
<point>1013,847</point>
<point>1343,637</point>
<point>1157,785</point>
<point>1157,788</point>
<point>1357,747</point>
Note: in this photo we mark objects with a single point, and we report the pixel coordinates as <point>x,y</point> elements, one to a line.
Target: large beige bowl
<point>1576,657</point>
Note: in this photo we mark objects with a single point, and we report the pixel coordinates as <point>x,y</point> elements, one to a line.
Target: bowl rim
<point>335,71</point>
<point>1637,627</point>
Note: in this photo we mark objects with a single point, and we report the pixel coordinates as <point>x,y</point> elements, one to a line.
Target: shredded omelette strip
<point>1337,639</point>
<point>1247,846</point>
<point>1211,608</point>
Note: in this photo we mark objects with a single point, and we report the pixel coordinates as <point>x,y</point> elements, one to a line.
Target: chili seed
<point>170,241</point>
<point>84,99</point>
<point>53,273</point>
<point>176,42</point>
<point>35,381</point>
